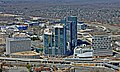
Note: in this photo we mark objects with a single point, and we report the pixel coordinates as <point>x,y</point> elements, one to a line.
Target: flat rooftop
<point>48,31</point>
<point>18,39</point>
<point>87,47</point>
<point>26,53</point>
<point>58,26</point>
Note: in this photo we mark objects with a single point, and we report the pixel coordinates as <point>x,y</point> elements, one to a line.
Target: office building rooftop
<point>58,26</point>
<point>18,38</point>
<point>48,31</point>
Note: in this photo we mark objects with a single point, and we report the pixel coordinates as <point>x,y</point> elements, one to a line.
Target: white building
<point>17,45</point>
<point>83,52</point>
<point>102,45</point>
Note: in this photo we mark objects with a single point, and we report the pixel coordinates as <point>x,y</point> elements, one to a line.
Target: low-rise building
<point>83,52</point>
<point>102,45</point>
<point>19,44</point>
<point>82,26</point>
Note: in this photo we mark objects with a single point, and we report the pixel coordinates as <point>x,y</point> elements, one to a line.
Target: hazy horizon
<point>66,1</point>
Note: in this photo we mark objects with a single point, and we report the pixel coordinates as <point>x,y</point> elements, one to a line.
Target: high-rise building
<point>48,42</point>
<point>60,40</point>
<point>17,45</point>
<point>71,32</point>
<point>101,45</point>
<point>55,41</point>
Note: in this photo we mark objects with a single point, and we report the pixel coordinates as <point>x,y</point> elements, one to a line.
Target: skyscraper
<point>48,42</point>
<point>55,41</point>
<point>60,40</point>
<point>71,32</point>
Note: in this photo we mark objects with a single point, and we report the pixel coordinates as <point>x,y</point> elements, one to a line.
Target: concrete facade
<point>101,45</point>
<point>17,45</point>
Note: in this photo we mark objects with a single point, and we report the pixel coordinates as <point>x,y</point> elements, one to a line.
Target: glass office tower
<point>48,42</point>
<point>55,41</point>
<point>60,43</point>
<point>71,32</point>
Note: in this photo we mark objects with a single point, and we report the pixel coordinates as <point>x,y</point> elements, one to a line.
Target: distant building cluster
<point>62,35</point>
<point>61,39</point>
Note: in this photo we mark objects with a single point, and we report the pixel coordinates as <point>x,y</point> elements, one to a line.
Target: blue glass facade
<point>71,32</point>
<point>55,44</point>
<point>64,38</point>
<point>60,46</point>
<point>22,27</point>
<point>48,43</point>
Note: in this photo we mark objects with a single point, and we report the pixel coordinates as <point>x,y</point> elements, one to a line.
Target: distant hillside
<point>62,1</point>
<point>104,11</point>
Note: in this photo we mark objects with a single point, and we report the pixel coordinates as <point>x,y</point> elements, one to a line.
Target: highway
<point>59,63</point>
<point>34,60</point>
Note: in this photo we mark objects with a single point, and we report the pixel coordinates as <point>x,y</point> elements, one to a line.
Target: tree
<point>28,66</point>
